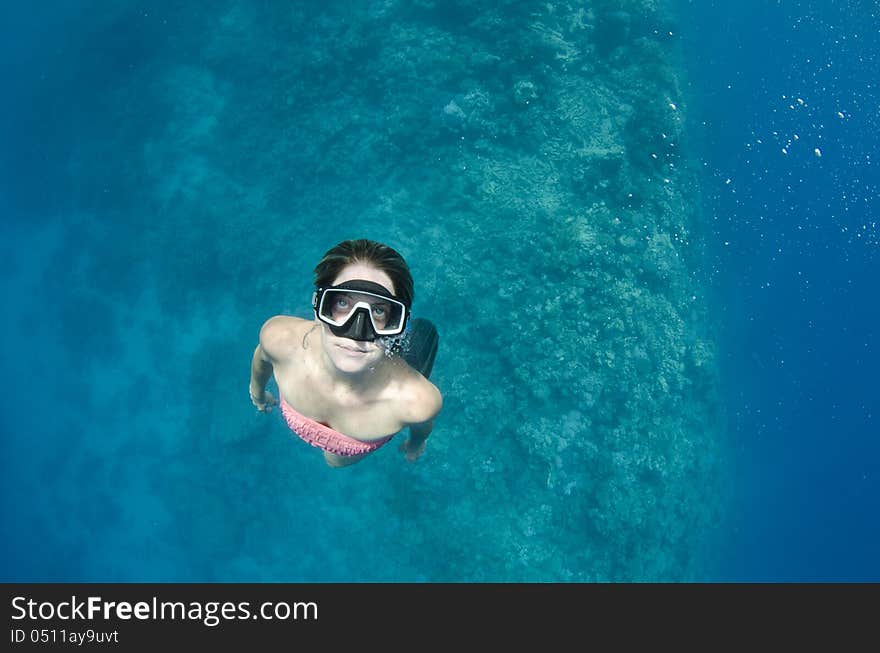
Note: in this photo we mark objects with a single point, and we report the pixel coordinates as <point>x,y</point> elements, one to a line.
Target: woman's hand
<point>264,404</point>
<point>413,449</point>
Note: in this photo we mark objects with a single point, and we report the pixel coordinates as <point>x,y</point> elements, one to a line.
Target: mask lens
<point>338,306</point>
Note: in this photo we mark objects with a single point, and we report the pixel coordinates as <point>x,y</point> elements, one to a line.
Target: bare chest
<point>365,417</point>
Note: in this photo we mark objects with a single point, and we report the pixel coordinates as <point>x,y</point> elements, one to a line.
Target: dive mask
<point>360,310</point>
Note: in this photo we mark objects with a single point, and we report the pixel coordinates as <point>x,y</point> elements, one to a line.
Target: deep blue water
<point>169,176</point>
<point>796,247</point>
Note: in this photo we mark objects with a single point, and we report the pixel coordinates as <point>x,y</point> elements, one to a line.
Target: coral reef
<point>530,161</point>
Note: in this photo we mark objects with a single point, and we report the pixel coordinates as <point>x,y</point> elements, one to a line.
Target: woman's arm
<point>272,336</point>
<point>421,431</point>
<point>261,372</point>
<point>426,407</point>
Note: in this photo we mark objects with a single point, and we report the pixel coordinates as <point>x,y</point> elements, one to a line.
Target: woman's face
<point>349,355</point>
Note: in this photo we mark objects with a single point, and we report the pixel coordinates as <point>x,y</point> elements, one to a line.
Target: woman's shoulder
<point>280,333</point>
<point>421,400</point>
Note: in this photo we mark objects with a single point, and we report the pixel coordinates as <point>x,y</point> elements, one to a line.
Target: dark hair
<point>367,251</point>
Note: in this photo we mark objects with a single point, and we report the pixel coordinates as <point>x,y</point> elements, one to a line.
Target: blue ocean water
<point>656,326</point>
<point>787,96</point>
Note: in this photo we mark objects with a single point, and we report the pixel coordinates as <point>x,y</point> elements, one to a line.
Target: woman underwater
<point>342,386</point>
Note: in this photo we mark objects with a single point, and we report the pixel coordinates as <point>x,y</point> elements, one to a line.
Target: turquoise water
<point>171,175</point>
